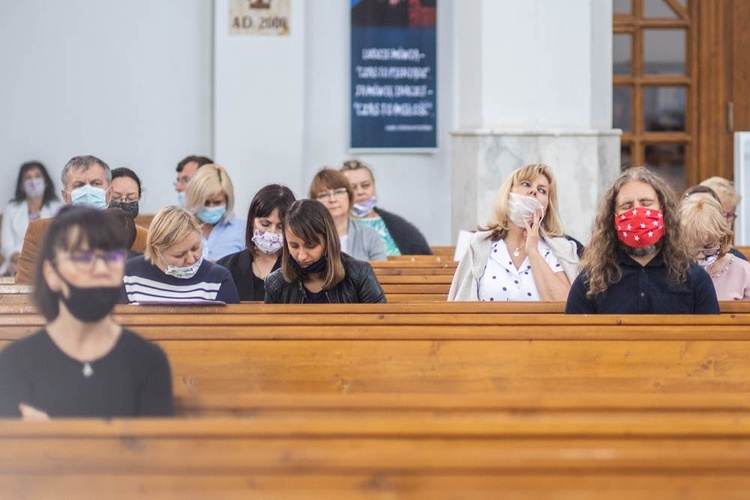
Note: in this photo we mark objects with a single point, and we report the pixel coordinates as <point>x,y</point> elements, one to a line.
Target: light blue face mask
<point>212,215</point>
<point>181,198</point>
<point>359,210</point>
<point>89,196</point>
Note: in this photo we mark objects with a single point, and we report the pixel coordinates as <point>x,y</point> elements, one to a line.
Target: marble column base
<point>584,163</point>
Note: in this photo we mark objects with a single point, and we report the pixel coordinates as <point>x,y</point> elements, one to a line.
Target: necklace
<point>516,251</point>
<point>87,370</point>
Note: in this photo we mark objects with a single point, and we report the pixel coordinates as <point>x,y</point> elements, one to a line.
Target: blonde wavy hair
<point>599,262</point>
<point>500,221</point>
<point>702,219</point>
<point>724,188</point>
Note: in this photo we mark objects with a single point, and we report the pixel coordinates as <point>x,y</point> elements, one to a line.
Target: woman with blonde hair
<point>522,255</point>
<point>173,268</point>
<point>313,268</point>
<point>210,196</point>
<point>709,237</point>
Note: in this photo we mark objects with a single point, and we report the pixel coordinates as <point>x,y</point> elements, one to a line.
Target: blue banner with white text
<point>393,74</point>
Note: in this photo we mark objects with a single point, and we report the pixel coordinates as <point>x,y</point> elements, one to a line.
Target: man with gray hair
<point>86,181</point>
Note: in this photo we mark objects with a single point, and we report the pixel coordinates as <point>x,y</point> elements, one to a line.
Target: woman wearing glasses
<point>332,189</point>
<point>313,269</point>
<point>82,363</point>
<point>173,268</point>
<point>708,238</point>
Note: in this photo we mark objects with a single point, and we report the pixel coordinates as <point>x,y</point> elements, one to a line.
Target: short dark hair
<point>49,188</point>
<point>125,225</point>
<point>126,172</point>
<point>269,198</point>
<point>93,228</point>
<point>200,160</point>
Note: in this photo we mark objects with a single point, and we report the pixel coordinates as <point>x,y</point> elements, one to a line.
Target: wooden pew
<point>384,454</point>
<point>423,267</point>
<point>459,349</point>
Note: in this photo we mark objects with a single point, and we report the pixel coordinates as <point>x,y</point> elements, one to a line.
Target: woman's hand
<point>532,233</point>
<point>28,412</point>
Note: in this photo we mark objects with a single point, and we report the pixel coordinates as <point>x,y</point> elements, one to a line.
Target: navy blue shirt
<point>737,253</point>
<point>646,290</point>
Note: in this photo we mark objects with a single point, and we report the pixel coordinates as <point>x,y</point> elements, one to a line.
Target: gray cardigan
<point>364,243</point>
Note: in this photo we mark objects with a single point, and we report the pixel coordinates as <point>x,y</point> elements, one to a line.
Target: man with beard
<point>637,262</point>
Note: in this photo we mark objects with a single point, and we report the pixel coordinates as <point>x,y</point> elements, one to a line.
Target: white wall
<point>259,105</point>
<point>129,82</point>
<point>282,112</point>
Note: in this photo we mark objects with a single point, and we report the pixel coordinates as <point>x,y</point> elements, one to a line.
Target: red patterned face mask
<point>640,227</point>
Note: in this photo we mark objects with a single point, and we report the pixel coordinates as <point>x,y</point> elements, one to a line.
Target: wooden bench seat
<point>390,349</point>
<point>383,454</point>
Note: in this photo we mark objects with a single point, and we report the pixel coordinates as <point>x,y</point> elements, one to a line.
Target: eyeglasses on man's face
<point>336,193</point>
<point>84,260</point>
<point>182,181</point>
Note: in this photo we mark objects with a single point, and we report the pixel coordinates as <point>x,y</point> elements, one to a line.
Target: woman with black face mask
<point>82,364</point>
<point>313,269</point>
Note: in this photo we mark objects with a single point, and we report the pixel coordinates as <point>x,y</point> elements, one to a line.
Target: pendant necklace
<point>517,252</point>
<point>87,370</point>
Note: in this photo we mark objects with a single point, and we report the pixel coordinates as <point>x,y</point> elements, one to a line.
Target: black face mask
<point>90,304</point>
<point>318,266</point>
<point>130,207</point>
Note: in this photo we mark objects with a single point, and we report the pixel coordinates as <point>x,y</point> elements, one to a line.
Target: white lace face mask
<point>522,208</point>
<point>183,272</point>
<point>707,262</point>
<point>268,242</point>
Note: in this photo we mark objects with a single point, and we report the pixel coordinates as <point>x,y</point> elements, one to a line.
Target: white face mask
<point>708,261</point>
<point>182,272</point>
<point>268,242</point>
<point>522,208</point>
<point>34,187</point>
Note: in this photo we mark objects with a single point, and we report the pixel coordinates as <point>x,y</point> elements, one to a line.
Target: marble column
<point>534,86</point>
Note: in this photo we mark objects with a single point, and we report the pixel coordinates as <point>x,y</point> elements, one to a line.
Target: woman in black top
<point>82,364</point>
<point>313,269</point>
<point>264,239</point>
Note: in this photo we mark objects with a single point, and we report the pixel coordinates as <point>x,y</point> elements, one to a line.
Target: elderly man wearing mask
<point>86,181</point>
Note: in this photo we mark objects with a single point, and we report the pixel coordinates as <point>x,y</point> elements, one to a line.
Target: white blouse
<point>502,282</point>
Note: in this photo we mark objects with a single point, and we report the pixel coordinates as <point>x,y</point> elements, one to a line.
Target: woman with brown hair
<point>332,189</point>
<point>313,269</point>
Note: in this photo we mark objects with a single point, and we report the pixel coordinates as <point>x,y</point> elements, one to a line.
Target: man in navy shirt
<point>636,262</point>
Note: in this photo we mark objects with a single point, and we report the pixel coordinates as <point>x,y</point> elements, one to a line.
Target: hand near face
<point>532,232</point>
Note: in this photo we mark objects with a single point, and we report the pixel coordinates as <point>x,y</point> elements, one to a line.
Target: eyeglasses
<point>707,252</point>
<point>84,260</point>
<point>327,195</point>
<point>127,199</point>
<point>730,216</point>
<point>181,180</point>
